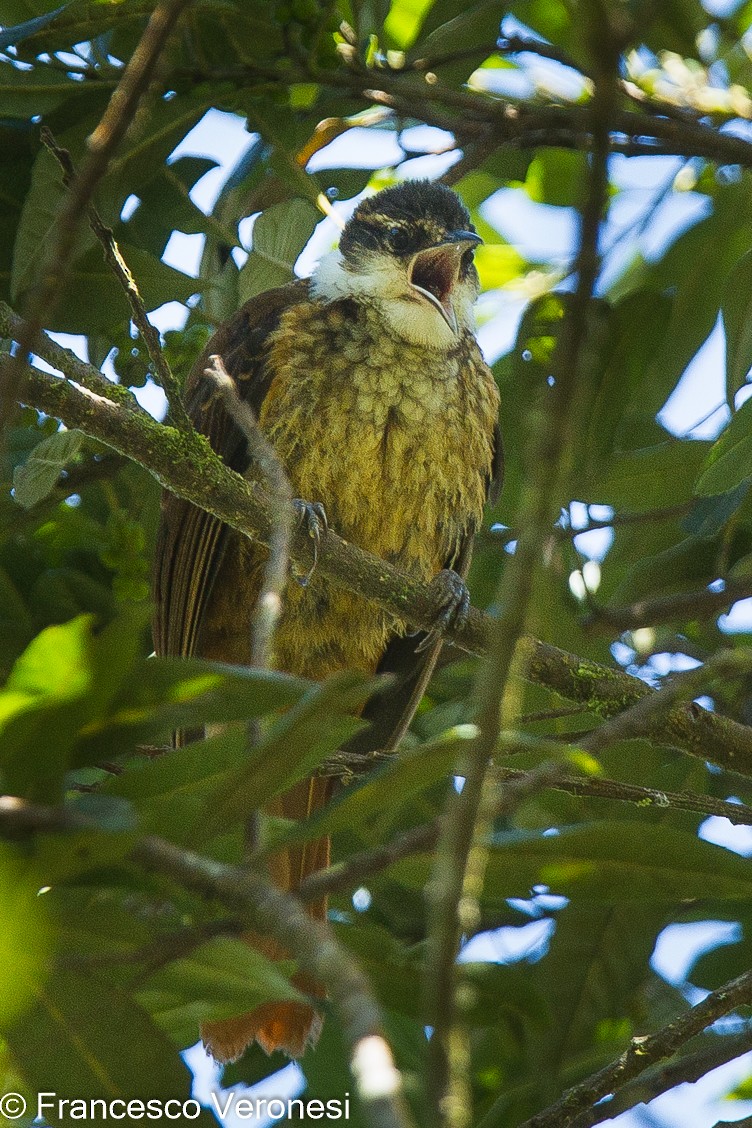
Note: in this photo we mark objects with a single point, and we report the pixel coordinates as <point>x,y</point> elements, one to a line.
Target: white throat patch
<point>384,283</point>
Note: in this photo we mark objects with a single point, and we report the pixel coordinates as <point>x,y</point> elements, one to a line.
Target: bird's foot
<point>312,517</point>
<point>452,603</point>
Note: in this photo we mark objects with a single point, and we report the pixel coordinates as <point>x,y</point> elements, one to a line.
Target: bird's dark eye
<point>399,239</point>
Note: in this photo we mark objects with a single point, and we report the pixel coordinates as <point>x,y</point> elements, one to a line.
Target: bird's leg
<point>452,603</point>
<point>312,516</point>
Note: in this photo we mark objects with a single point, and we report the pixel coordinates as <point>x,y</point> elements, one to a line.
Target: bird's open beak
<point>434,272</point>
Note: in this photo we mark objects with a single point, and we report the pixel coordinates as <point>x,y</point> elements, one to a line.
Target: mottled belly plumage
<point>396,441</point>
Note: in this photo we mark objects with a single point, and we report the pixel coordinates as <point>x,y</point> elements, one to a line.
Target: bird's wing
<point>496,477</point>
<point>190,542</point>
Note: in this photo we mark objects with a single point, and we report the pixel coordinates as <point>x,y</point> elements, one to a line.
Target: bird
<point>369,382</point>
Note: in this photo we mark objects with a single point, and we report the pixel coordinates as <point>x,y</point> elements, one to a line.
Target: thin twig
<point>739,814</point>
<point>686,1069</point>
<point>354,870</point>
<point>645,716</point>
<point>102,144</point>
<point>263,455</point>
<point>702,604</point>
<point>149,334</point>
<point>524,44</point>
<point>13,327</point>
<point>581,1100</point>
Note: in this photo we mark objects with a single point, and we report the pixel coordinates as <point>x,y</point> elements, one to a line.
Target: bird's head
<point>408,251</point>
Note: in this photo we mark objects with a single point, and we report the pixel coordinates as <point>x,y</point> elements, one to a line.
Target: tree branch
<point>687,1069</point>
<point>269,602</point>
<point>102,144</point>
<point>580,1101</point>
<point>188,467</point>
<point>608,692</point>
<point>702,604</point>
<point>646,716</point>
<point>471,114</point>
<point>13,328</point>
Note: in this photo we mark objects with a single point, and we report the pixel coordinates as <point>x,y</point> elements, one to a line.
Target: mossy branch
<point>186,465</point>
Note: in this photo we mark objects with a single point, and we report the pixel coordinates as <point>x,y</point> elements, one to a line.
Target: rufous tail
<point>287,1026</point>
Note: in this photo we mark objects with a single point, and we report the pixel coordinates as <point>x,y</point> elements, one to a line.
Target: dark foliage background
<point>109,972</point>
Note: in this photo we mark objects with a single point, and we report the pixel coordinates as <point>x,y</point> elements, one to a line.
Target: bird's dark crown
<point>404,219</point>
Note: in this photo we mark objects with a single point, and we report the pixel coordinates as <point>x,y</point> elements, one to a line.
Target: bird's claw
<point>452,602</point>
<point>312,516</point>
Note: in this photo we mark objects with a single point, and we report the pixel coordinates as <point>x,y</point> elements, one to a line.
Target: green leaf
<point>82,1039</point>
<point>52,668</point>
<point>606,863</point>
<point>295,744</point>
<point>97,920</point>
<point>649,477</point>
<point>91,299</point>
<point>37,225</point>
<point>498,264</point>
<point>629,392</point>
<point>9,36</point>
<point>110,812</point>
<point>163,694</point>
<point>556,176</point>
<point>461,29</point>
<point>401,25</point>
<point>25,916</point>
<point>83,20</point>
<point>62,684</point>
<point>374,806</point>
<point>536,337</point>
<point>736,310</point>
<point>718,243</point>
<point>37,477</point>
<point>221,978</point>
<point>598,957</point>
<point>328,1075</point>
<point>170,793</point>
<point>729,462</point>
<point>16,161</point>
<point>710,514</point>
<point>24,93</point>
<point>70,855</point>
<point>147,146</point>
<point>279,235</point>
<point>166,206</point>
<point>721,963</point>
<point>396,972</point>
<point>683,566</point>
